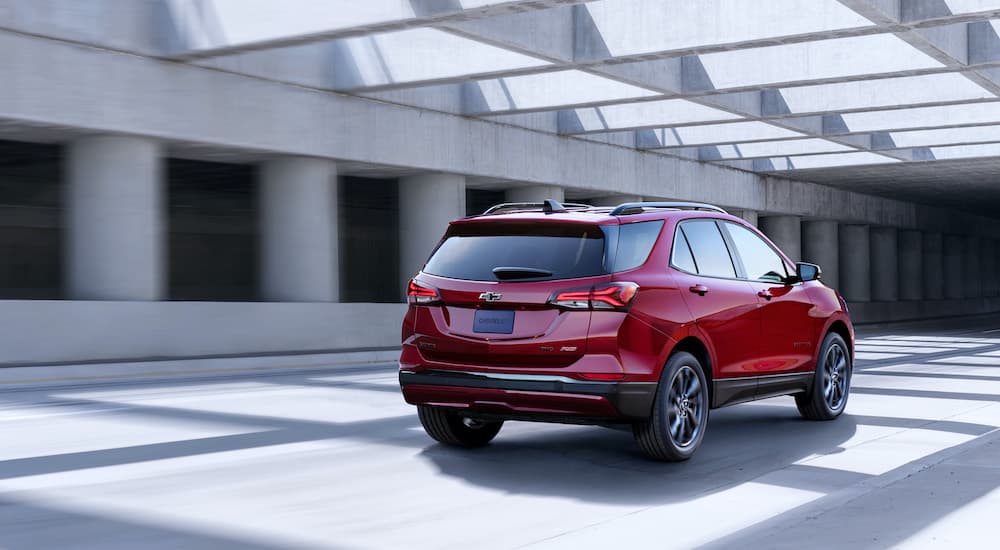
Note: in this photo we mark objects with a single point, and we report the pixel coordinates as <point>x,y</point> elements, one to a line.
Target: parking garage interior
<point>210,209</point>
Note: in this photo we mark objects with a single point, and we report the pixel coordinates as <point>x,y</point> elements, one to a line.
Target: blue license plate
<point>493,322</point>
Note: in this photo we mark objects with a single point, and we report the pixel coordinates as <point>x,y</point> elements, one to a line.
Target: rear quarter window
<point>635,242</point>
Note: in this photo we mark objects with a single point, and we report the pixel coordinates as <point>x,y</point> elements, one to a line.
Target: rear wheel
<point>450,428</point>
<point>680,412</point>
<point>832,383</point>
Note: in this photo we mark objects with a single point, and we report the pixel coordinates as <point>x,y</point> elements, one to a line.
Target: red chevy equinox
<point>646,314</point>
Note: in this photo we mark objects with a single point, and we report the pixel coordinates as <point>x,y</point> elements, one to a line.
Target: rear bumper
<point>527,394</point>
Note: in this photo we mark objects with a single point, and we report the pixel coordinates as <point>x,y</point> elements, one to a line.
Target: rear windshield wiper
<point>508,273</point>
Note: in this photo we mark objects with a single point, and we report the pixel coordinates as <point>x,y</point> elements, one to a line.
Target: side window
<point>681,257</point>
<point>708,248</point>
<point>761,262</point>
<point>635,242</point>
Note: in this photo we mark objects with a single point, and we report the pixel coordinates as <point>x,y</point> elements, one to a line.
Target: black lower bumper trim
<point>631,399</point>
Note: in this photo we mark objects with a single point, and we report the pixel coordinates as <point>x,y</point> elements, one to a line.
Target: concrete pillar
<point>536,193</point>
<point>612,200</point>
<point>954,267</point>
<point>933,265</point>
<point>988,266</point>
<point>299,259</point>
<point>749,216</point>
<point>426,204</point>
<point>911,265</point>
<point>885,264</point>
<point>855,263</point>
<point>786,232</point>
<point>821,245</point>
<point>972,273</point>
<point>115,219</point>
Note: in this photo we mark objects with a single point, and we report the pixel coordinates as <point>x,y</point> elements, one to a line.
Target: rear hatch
<point>497,284</point>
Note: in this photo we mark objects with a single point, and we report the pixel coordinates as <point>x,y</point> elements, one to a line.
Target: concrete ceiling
<point>892,97</point>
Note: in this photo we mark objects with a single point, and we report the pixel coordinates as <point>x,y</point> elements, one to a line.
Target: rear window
<point>568,251</point>
<point>473,251</point>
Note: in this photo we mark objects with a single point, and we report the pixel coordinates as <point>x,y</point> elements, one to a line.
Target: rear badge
<point>491,296</point>
<point>568,348</point>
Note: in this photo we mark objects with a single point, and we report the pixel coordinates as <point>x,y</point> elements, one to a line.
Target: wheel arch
<point>696,347</point>
<point>840,327</point>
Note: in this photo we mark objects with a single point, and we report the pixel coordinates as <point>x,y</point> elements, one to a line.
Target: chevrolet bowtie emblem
<point>491,296</point>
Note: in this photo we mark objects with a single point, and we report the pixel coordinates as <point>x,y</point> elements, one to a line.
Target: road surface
<point>333,458</point>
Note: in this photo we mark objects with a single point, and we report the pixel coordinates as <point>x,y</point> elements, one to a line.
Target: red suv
<point>646,314</point>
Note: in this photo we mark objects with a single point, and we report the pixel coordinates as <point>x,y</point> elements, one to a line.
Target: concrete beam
<point>883,12</point>
<point>195,29</point>
<point>545,33</point>
<point>226,112</point>
<point>938,11</point>
<point>535,193</point>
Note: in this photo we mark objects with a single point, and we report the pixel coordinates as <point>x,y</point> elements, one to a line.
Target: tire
<point>450,428</point>
<point>677,425</point>
<point>831,386</point>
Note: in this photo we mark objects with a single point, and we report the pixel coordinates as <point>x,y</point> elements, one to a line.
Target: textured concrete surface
<point>332,457</point>
<point>299,230</point>
<point>41,331</point>
<point>115,226</point>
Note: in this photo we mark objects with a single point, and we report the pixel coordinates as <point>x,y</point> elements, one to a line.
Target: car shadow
<point>603,465</point>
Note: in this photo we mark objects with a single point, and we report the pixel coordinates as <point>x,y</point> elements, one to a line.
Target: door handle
<point>700,290</point>
<point>765,294</point>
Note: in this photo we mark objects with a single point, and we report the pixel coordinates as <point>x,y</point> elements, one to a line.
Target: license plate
<point>493,322</point>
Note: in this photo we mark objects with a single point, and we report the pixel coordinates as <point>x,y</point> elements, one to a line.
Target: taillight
<point>417,293</point>
<point>612,296</point>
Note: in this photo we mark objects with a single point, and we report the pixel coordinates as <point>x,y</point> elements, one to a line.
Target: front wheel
<point>680,412</point>
<point>451,428</point>
<point>827,397</point>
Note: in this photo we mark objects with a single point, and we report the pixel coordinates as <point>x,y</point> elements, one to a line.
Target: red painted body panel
<point>744,334</point>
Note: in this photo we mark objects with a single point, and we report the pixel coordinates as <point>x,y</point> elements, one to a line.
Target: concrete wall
<point>57,331</point>
<point>886,312</point>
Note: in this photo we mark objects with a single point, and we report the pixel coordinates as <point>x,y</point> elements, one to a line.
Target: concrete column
<point>933,265</point>
<point>426,204</point>
<point>988,266</point>
<point>786,232</point>
<point>855,263</point>
<point>536,193</point>
<point>299,230</point>
<point>885,264</point>
<point>115,221</point>
<point>972,274</point>
<point>911,265</point>
<point>612,200</point>
<point>821,245</point>
<point>954,267</point>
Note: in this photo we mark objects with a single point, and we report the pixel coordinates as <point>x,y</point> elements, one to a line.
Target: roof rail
<point>547,206</point>
<point>638,207</point>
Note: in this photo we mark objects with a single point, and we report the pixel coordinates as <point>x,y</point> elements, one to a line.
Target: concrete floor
<point>334,458</point>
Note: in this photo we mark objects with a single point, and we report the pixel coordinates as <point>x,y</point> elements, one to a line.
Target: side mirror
<point>808,272</point>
